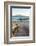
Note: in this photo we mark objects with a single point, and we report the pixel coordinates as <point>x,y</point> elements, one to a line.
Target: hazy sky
<point>21,11</point>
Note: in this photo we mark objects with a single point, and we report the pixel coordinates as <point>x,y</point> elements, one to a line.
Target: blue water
<point>14,18</point>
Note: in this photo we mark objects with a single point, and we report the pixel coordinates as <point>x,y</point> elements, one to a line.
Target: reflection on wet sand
<point>20,30</point>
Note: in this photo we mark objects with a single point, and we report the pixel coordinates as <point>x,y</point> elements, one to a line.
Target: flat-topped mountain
<point>20,17</point>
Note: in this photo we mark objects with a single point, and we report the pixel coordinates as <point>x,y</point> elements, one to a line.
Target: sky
<point>21,11</point>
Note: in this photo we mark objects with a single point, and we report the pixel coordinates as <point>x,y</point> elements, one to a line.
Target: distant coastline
<point>19,17</point>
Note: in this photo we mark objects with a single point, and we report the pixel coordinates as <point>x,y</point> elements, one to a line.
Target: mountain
<point>20,17</point>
